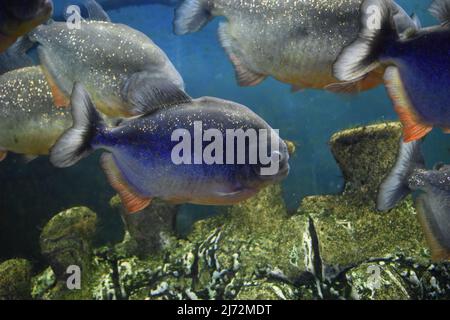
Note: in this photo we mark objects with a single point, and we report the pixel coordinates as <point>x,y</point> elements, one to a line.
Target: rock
<point>377,281</point>
<point>349,228</point>
<point>147,230</point>
<point>66,240</point>
<point>42,283</point>
<point>15,280</point>
<point>330,249</point>
<point>365,156</point>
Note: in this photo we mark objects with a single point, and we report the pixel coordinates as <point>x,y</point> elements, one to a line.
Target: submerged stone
<point>332,248</point>
<point>148,230</point>
<point>66,240</point>
<point>15,280</point>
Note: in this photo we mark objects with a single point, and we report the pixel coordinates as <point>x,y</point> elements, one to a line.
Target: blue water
<point>308,118</point>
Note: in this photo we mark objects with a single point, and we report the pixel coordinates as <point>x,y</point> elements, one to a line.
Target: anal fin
<point>244,75</point>
<point>130,200</point>
<point>413,127</point>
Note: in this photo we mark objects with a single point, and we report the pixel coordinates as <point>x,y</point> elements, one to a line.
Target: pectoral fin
<point>413,127</point>
<point>244,75</point>
<point>433,209</point>
<point>130,200</point>
<point>60,99</point>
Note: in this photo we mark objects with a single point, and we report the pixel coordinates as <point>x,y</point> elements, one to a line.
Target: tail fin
<point>395,187</point>
<point>74,144</point>
<point>191,16</point>
<point>377,29</point>
<point>15,57</point>
<point>440,9</point>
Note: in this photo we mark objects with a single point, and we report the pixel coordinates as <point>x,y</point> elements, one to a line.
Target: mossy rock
<point>377,281</point>
<point>15,280</point>
<point>66,240</point>
<point>146,231</point>
<point>350,233</point>
<point>349,228</point>
<point>366,155</point>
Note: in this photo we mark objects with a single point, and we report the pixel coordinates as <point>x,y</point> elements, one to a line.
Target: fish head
<point>274,169</point>
<point>25,15</point>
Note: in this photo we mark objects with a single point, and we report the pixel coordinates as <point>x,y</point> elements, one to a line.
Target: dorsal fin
<point>146,94</point>
<point>440,9</point>
<point>95,11</point>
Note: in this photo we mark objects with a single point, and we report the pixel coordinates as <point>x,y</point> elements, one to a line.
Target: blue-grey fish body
<point>110,59</point>
<point>294,41</point>
<point>140,163</point>
<point>418,76</point>
<point>433,204</point>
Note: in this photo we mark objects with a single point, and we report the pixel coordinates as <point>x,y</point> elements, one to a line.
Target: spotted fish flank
<point>29,122</point>
<point>109,59</point>
<point>295,42</point>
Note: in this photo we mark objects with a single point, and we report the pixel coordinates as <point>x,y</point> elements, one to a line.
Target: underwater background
<point>32,193</point>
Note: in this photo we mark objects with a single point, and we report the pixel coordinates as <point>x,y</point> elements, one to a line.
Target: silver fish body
<point>105,57</point>
<point>295,41</point>
<point>29,122</point>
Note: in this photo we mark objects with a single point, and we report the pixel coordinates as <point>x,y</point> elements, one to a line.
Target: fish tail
<point>75,144</point>
<point>395,187</point>
<point>191,16</point>
<point>377,32</point>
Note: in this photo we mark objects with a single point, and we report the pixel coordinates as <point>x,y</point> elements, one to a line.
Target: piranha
<point>418,76</point>
<point>433,204</point>
<point>142,159</point>
<point>18,17</point>
<point>111,60</point>
<point>29,121</point>
<point>296,42</point>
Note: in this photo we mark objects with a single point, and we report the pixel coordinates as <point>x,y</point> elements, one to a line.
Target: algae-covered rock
<point>15,280</point>
<point>147,230</point>
<point>365,156</point>
<point>334,247</point>
<point>377,281</point>
<point>42,283</point>
<point>66,240</point>
<point>349,228</point>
